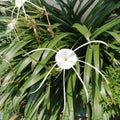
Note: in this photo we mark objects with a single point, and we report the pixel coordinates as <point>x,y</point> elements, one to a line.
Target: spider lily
<point>19,4</point>
<point>11,26</point>
<point>66,59</point>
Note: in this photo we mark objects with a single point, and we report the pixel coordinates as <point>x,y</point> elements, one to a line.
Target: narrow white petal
<point>64,93</point>
<point>49,49</point>
<point>44,79</point>
<point>82,84</point>
<point>95,69</point>
<point>36,6</point>
<point>13,12</point>
<point>94,41</point>
<point>18,13</point>
<point>24,12</point>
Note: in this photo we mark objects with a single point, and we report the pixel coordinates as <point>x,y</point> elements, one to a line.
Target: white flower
<point>11,26</point>
<point>19,3</point>
<point>66,59</point>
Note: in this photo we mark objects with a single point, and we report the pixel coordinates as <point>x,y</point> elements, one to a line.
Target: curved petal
<point>94,41</point>
<point>39,8</point>
<point>95,69</point>
<point>49,49</point>
<point>44,79</point>
<point>13,12</point>
<point>64,93</point>
<point>82,84</point>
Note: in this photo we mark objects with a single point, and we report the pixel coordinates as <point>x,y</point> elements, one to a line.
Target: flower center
<point>65,58</point>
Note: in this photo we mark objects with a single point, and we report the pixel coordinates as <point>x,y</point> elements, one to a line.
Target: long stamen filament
<point>95,41</point>
<point>87,96</point>
<point>49,49</point>
<point>44,80</point>
<point>95,69</point>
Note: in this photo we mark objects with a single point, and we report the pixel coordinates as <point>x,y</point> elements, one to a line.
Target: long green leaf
<point>83,30</point>
<point>105,27</point>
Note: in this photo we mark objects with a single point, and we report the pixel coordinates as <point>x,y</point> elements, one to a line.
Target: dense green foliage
<point>112,106</point>
<point>56,28</point>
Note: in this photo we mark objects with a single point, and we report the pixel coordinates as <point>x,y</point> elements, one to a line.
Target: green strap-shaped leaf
<point>105,27</point>
<point>87,69</point>
<point>115,35</point>
<point>69,113</point>
<point>97,108</point>
<point>83,30</point>
<point>15,47</point>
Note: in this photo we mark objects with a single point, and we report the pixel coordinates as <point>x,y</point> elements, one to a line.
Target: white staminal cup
<point>66,58</point>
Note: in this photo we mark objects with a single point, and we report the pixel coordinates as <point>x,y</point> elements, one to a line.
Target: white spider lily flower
<point>11,26</point>
<point>19,3</point>
<point>66,59</point>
